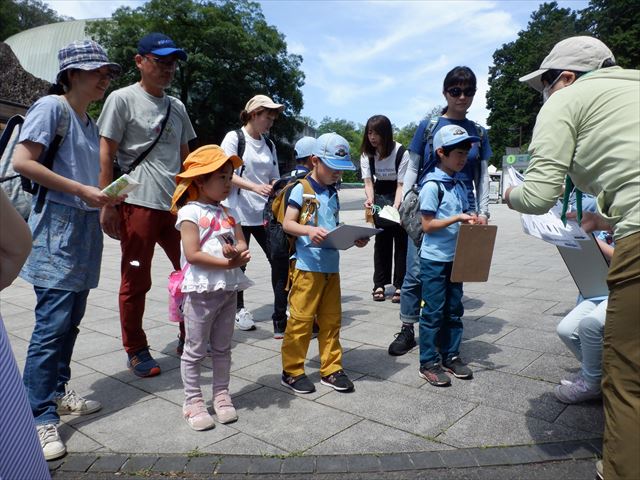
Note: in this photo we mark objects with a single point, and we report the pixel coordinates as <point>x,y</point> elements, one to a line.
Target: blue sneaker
<point>142,364</point>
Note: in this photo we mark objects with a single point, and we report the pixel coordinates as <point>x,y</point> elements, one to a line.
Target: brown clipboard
<point>474,251</point>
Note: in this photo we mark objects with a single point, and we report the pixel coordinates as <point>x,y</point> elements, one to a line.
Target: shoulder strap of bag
<point>427,141</point>
<point>242,142</point>
<point>305,210</point>
<point>399,156</point>
<point>61,132</point>
<point>144,154</point>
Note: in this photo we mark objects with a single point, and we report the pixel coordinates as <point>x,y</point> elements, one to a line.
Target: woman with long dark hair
<point>459,89</point>
<point>383,164</point>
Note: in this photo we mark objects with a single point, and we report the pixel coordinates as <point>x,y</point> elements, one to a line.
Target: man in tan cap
<point>588,129</point>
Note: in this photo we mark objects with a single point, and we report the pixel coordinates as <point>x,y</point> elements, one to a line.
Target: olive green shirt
<point>589,130</point>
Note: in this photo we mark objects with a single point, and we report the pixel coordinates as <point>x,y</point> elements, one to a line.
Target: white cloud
<point>83,9</point>
<point>297,48</point>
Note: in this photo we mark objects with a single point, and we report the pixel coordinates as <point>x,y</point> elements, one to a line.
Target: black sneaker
<point>299,384</point>
<point>338,381</point>
<point>435,375</point>
<point>405,341</point>
<point>457,368</point>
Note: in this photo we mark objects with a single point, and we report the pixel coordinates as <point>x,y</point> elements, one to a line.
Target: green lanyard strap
<point>568,188</point>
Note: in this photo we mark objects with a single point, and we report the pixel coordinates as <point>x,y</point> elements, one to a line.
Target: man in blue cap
<point>148,132</point>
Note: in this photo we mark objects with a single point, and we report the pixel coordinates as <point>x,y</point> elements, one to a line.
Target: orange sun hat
<point>205,159</point>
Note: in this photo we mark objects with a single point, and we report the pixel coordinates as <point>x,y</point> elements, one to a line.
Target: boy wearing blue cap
<point>443,204</point>
<point>315,280</point>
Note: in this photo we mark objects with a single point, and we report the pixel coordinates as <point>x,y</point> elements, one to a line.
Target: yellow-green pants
<point>621,364</point>
<point>313,295</point>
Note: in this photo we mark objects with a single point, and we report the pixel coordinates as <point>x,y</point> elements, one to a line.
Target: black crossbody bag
<point>118,171</point>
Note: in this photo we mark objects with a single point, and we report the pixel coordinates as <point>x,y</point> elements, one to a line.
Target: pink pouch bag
<point>176,297</point>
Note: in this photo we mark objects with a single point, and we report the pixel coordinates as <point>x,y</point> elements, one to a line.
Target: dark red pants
<point>140,229</point>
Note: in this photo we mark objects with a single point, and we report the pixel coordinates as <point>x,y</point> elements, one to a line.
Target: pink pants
<point>209,319</point>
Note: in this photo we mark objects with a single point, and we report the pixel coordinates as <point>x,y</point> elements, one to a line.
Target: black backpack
<point>278,243</point>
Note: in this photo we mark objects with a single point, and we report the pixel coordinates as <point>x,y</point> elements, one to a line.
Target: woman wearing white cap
<point>67,240</point>
<point>252,183</point>
<point>588,131</point>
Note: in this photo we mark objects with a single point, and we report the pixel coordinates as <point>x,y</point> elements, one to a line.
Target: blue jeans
<point>411,291</point>
<point>441,316</point>
<point>582,331</point>
<point>47,368</point>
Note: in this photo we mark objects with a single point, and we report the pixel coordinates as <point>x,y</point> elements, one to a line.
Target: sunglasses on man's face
<point>455,92</point>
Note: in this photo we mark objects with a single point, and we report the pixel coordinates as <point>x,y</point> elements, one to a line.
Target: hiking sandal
<point>396,297</point>
<point>378,295</point>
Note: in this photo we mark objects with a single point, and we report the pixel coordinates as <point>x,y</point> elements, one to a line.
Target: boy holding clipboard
<point>443,205</point>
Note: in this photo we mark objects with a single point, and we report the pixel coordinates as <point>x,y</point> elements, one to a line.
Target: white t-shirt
<point>260,166</point>
<point>201,279</point>
<point>133,118</point>
<point>385,168</point>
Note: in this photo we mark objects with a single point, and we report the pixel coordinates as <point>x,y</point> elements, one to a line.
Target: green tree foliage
<point>514,106</point>
<point>233,55</point>
<point>616,23</point>
<point>404,135</point>
<point>19,15</point>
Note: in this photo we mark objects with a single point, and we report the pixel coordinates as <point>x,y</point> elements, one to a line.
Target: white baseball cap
<point>304,147</point>
<point>578,54</point>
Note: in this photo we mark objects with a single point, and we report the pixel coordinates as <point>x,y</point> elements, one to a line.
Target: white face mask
<point>546,91</point>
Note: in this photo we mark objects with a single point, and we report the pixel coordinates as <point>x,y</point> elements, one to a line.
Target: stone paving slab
<point>509,340</point>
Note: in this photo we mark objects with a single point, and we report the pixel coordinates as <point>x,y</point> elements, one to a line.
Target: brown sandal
<point>378,295</point>
<point>396,297</point>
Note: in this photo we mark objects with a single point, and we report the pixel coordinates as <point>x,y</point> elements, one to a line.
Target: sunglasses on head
<point>455,92</point>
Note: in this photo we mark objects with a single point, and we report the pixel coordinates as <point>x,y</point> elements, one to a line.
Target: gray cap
<point>579,54</point>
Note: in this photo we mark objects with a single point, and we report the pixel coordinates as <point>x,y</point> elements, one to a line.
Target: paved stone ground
<point>509,340</point>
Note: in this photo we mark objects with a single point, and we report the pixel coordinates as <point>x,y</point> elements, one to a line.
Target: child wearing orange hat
<point>213,250</point>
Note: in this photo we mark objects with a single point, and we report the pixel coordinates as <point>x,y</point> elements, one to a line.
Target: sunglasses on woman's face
<point>455,92</point>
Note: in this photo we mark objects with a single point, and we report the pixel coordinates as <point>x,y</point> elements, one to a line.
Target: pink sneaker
<point>197,415</point>
<point>225,411</point>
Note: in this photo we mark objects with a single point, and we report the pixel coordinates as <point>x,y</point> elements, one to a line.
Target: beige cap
<point>262,101</point>
<point>579,54</point>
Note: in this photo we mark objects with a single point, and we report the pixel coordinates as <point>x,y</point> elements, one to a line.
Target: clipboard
<point>343,236</point>
<point>474,251</point>
<point>588,266</point>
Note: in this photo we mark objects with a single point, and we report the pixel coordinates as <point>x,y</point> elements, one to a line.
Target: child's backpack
<point>410,216</point>
<point>281,245</point>
<point>20,189</point>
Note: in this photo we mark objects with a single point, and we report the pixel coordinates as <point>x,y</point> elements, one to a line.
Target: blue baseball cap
<point>451,135</point>
<point>84,55</point>
<point>333,150</point>
<point>304,147</point>
<point>159,44</point>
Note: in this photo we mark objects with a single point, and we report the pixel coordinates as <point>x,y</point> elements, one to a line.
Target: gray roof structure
<point>37,48</point>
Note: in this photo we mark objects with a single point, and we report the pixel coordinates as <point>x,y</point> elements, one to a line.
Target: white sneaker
<point>52,446</point>
<point>73,404</point>
<point>244,320</point>
<point>571,378</point>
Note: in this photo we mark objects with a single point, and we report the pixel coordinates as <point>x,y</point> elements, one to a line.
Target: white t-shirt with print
<point>202,279</point>
<point>259,166</point>
<point>385,168</point>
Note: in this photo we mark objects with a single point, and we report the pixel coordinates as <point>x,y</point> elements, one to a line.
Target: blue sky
<point>363,57</point>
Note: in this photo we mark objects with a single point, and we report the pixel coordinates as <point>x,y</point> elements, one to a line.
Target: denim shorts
<point>67,248</point>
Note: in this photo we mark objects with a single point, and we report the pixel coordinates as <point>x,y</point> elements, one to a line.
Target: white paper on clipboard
<point>344,236</point>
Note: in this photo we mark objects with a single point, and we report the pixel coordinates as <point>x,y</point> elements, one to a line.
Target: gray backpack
<point>410,216</point>
<point>20,189</point>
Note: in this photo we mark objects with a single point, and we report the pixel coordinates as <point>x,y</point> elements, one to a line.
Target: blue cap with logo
<point>451,135</point>
<point>161,45</point>
<point>333,150</point>
<point>304,147</point>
